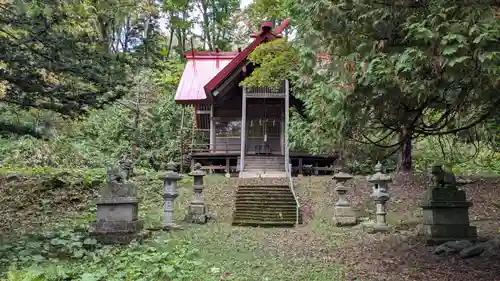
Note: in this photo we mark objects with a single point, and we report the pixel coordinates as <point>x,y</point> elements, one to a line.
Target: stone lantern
<point>197,212</point>
<point>344,215</point>
<point>170,180</point>
<point>380,195</point>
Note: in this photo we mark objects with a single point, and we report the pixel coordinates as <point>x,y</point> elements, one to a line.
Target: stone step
<point>262,212</point>
<point>267,207</point>
<point>259,223</point>
<point>265,159</point>
<point>264,186</point>
<point>267,167</point>
<point>265,217</point>
<point>264,192</point>
<point>277,202</point>
<point>271,191</point>
<point>264,203</point>
<point>263,163</point>
<point>264,182</point>
<point>260,204</point>
<point>265,197</point>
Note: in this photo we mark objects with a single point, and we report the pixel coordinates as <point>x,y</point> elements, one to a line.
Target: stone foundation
<point>446,216</point>
<point>345,216</point>
<point>116,232</point>
<point>198,214</point>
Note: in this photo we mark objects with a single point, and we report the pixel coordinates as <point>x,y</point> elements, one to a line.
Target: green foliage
<point>105,135</point>
<point>62,249</point>
<point>424,60</point>
<point>276,60</point>
<point>56,71</point>
<point>55,244</point>
<point>462,158</point>
<point>267,10</point>
<point>84,259</point>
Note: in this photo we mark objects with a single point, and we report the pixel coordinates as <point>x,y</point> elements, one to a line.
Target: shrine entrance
<point>264,126</point>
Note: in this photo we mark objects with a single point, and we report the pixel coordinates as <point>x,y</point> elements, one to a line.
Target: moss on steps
<point>260,202</point>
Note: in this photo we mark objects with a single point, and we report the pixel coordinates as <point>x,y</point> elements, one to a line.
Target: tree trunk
<point>405,161</point>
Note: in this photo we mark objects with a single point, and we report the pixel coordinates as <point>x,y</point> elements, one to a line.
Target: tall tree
<point>71,56</point>
<point>398,70</point>
<point>52,60</point>
<point>177,14</point>
<point>216,20</point>
<point>268,10</point>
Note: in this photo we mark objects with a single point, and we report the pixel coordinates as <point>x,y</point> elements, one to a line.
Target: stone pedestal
<point>446,216</point>
<point>117,214</point>
<point>344,214</point>
<point>197,212</point>
<point>170,180</point>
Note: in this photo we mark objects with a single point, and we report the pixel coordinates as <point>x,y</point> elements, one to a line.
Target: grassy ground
<point>252,253</point>
<point>317,250</point>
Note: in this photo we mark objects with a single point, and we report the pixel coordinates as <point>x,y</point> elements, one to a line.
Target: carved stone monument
<point>170,180</point>
<point>344,214</point>
<point>198,212</point>
<point>446,210</point>
<point>126,167</point>
<point>380,195</point>
<point>117,210</point>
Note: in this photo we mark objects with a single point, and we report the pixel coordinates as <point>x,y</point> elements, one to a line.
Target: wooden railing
<point>266,91</point>
<point>219,167</point>
<point>219,147</point>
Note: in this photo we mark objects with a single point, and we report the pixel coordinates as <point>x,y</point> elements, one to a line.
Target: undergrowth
<point>61,248</point>
<point>66,255</point>
<point>460,157</point>
<point>44,234</point>
<point>46,212</point>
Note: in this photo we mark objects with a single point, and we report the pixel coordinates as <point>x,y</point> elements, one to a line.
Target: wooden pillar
<point>243,128</point>
<point>212,129</point>
<point>228,165</point>
<point>301,163</point>
<point>287,116</point>
<point>282,134</point>
<point>316,170</point>
<point>192,164</point>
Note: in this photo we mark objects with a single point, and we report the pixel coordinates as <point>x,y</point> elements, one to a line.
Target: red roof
<point>200,68</point>
<point>205,71</point>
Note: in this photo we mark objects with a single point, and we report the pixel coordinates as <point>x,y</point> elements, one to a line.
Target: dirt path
<point>402,255</point>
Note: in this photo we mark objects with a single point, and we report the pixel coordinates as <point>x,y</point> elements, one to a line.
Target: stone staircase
<point>263,163</point>
<point>265,202</point>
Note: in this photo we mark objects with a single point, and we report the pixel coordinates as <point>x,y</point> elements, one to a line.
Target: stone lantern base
<point>198,213</point>
<point>344,216</point>
<point>373,227</point>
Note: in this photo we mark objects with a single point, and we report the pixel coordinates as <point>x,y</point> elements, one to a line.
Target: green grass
<point>44,237</point>
<point>247,253</point>
<point>215,251</point>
